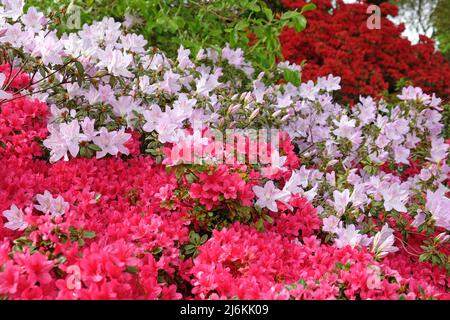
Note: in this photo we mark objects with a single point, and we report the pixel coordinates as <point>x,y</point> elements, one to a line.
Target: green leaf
<point>308,7</point>
<point>260,225</point>
<point>288,15</point>
<point>94,147</point>
<point>88,234</point>
<point>241,25</point>
<point>423,257</point>
<point>253,6</point>
<point>132,269</point>
<point>299,23</point>
<point>268,13</point>
<point>80,68</point>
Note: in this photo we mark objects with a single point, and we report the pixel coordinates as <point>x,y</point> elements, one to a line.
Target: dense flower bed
<point>337,40</point>
<point>110,188</point>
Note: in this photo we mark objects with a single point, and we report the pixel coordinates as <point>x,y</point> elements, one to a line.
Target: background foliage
<point>195,24</point>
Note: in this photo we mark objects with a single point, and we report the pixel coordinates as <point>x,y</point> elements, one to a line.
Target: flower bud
<point>285,118</point>
<point>277,113</point>
<point>233,108</point>
<point>254,114</point>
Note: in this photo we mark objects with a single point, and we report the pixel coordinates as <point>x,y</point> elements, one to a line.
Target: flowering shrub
<point>238,263</point>
<point>126,174</point>
<point>337,40</point>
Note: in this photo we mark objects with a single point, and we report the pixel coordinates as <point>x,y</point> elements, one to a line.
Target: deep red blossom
<point>337,41</point>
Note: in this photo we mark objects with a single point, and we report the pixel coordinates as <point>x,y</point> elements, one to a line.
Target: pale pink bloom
<point>111,142</point>
<point>401,154</point>
<point>348,236</point>
<point>341,200</point>
<point>309,90</point>
<point>383,242</point>
<point>425,174</point>
<point>48,47</point>
<point>48,204</point>
<point>290,66</point>
<point>3,94</point>
<point>331,224</point>
<point>88,128</point>
<point>70,133</point>
<point>183,58</point>
<point>170,83</point>
<point>45,201</point>
<point>395,197</point>
<point>438,150</point>
<point>208,82</point>
<point>269,194</point>
<point>183,107</point>
<point>329,83</point>
<point>234,57</point>
<point>115,61</point>
<point>133,42</point>
<point>283,100</point>
<point>419,219</point>
<point>59,206</point>
<point>16,218</point>
<point>345,127</point>
<point>34,19</point>
<point>11,9</point>
<point>152,118</point>
<point>439,206</point>
<point>64,138</point>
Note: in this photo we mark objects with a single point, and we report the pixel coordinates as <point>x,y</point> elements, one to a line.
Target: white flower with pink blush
<point>3,94</point>
<point>383,242</point>
<point>48,204</point>
<point>16,218</point>
<point>395,197</point>
<point>269,195</point>
<point>111,142</point>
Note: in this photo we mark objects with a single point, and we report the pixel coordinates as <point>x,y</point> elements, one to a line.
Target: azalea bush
<point>337,40</point>
<point>253,25</point>
<point>127,174</point>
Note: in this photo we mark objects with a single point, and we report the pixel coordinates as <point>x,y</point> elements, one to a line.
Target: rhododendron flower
<point>439,206</point>
<point>309,90</point>
<point>64,138</point>
<point>183,58</point>
<point>234,57</point>
<point>11,9</point>
<point>48,204</point>
<point>347,236</point>
<point>111,142</point>
<point>269,194</point>
<point>329,83</point>
<point>34,19</point>
<point>419,219</point>
<point>341,200</point>
<point>115,61</point>
<point>395,197</point>
<point>331,224</point>
<point>37,266</point>
<point>438,150</point>
<point>88,127</point>
<point>3,94</point>
<point>48,47</point>
<point>16,218</point>
<point>346,127</point>
<point>383,242</point>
